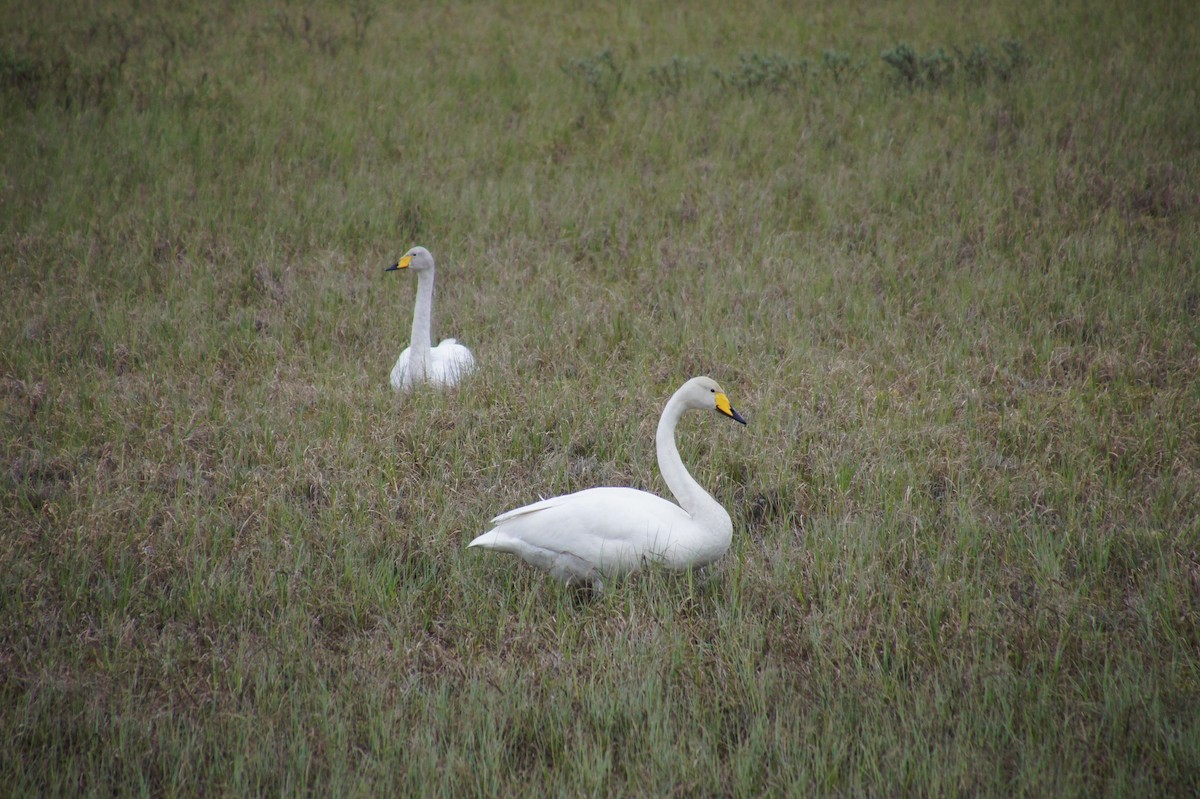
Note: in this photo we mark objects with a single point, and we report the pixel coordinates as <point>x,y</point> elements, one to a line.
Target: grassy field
<point>942,257</point>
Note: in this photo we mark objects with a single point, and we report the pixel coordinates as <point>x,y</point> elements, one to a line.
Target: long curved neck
<point>419,355</point>
<point>692,498</point>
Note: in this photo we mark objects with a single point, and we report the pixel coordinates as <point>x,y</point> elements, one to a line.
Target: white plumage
<point>609,532</point>
<point>443,365</point>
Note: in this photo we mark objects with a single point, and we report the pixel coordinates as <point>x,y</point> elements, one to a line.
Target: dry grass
<point>958,311</point>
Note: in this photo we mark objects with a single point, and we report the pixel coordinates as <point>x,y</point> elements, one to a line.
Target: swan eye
<point>712,391</point>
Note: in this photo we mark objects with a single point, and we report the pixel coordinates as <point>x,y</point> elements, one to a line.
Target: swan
<point>443,365</point>
<point>584,537</point>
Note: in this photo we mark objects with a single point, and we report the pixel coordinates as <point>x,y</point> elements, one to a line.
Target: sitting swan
<point>609,532</point>
<point>443,365</point>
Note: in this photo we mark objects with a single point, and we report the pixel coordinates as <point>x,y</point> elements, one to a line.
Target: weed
<point>903,59</point>
<point>837,65</point>
<point>982,64</point>
<point>69,80</point>
<point>315,33</point>
<point>601,74</point>
<point>22,78</point>
<point>931,70</point>
<point>938,68</point>
<point>362,14</point>
<point>671,78</point>
<point>769,73</point>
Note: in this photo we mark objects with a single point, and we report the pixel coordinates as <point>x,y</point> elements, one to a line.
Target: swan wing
<point>400,370</point>
<point>608,531</point>
<point>450,362</point>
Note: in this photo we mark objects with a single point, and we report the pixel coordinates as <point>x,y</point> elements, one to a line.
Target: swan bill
<point>401,264</point>
<point>724,407</point>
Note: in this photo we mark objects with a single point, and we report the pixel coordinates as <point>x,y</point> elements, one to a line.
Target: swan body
<point>448,363</point>
<point>610,532</point>
<point>443,365</point>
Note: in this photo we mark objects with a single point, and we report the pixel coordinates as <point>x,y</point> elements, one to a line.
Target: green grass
<point>957,305</point>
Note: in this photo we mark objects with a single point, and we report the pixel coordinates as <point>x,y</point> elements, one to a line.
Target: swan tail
<point>488,540</point>
<point>565,566</point>
<point>525,510</point>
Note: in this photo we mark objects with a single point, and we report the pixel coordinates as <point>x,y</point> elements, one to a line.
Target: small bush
<point>65,80</point>
<point>902,59</point>
<point>837,65</point>
<point>22,77</point>
<point>669,79</point>
<point>601,74</point>
<point>770,73</point>
<point>938,68</point>
<point>983,64</point>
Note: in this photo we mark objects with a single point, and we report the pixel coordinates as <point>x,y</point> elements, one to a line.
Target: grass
<point>957,308</point>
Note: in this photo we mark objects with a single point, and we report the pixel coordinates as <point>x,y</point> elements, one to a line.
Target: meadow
<point>941,256</point>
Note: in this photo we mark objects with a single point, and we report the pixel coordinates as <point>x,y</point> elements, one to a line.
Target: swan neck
<point>422,325</point>
<point>691,496</point>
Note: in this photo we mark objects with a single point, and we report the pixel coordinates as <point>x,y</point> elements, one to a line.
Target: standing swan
<point>443,365</point>
<point>609,532</point>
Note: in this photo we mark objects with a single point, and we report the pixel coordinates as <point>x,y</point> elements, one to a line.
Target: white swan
<point>443,365</point>
<point>609,532</point>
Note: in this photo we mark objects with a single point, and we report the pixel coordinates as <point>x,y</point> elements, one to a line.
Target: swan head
<point>418,259</point>
<point>703,393</point>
